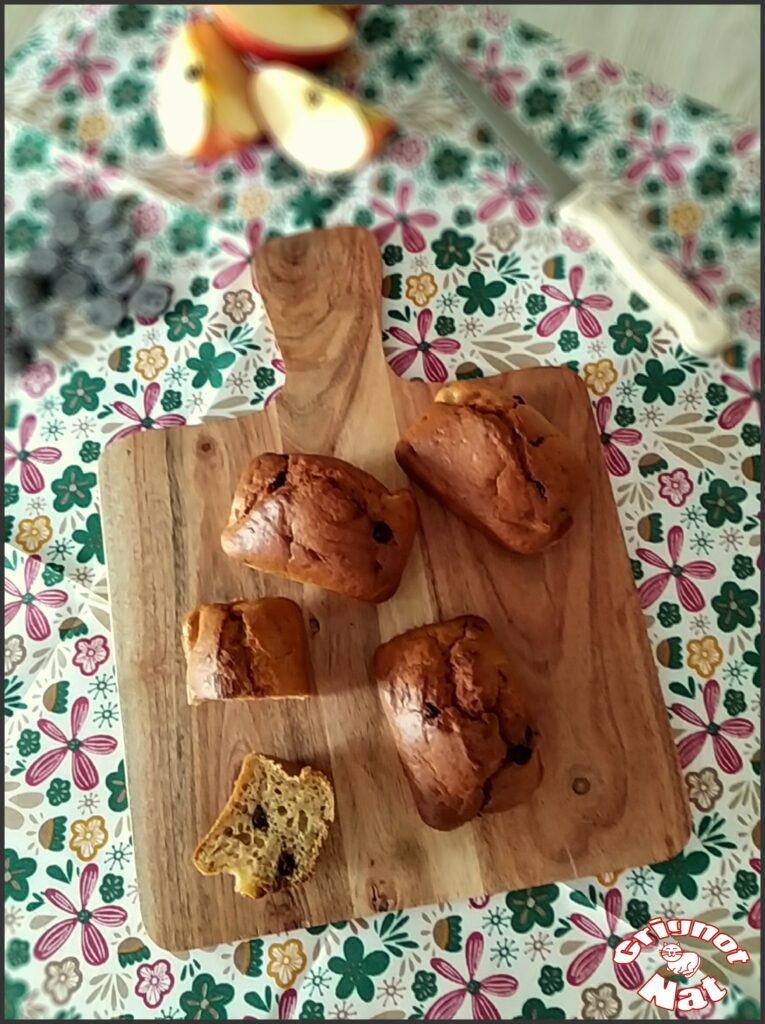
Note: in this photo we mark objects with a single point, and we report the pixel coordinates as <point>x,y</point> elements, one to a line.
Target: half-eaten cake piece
<point>270,833</point>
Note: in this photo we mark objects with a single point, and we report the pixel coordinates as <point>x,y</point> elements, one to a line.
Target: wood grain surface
<point>612,796</point>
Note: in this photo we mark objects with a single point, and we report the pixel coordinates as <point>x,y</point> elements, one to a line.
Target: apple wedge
<point>307,35</point>
<point>313,125</point>
<point>201,95</point>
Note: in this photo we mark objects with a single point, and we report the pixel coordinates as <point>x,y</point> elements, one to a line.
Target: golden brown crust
<point>320,520</point>
<point>246,649</point>
<point>463,731</point>
<point>496,463</point>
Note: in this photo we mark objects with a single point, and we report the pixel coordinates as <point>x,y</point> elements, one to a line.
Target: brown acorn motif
<point>750,467</point>
<point>650,528</point>
<point>56,697</point>
<point>132,951</point>
<point>248,958</point>
<point>52,834</point>
<point>669,653</point>
<point>447,934</point>
<point>651,463</point>
<point>119,359</point>
<point>466,371</point>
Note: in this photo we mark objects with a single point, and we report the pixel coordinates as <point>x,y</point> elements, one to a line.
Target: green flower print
<point>185,320</point>
<point>449,163</point>
<point>743,567</point>
<point>21,233</point>
<point>380,27</point>
<point>551,980</point>
<point>53,574</point>
<point>264,377</point>
<point>115,783</point>
<point>424,986</point>
<point>90,539</point>
<point>73,489</point>
<point>206,1000</point>
<point>311,1010</point>
<point>669,614</point>
<point>678,874</point>
<point>356,970</point>
<point>10,494</point>
<point>741,224</point>
<point>734,703</point>
<point>127,92</point>
<point>208,365</point>
<point>144,133</point>
<point>716,394</point>
<point>28,742</point>
<point>81,393</point>
<point>711,179</point>
<point>18,871</point>
<point>112,888</point>
<point>404,65</point>
<point>29,150</point>
<point>279,170</point>
<point>392,254</point>
<point>637,913</point>
<point>130,18</point>
<point>530,907</point>
<point>752,659</point>
<point>569,340</point>
<point>630,334</point>
<point>309,208</point>
<point>658,382</point>
<point>540,102</point>
<point>59,792</point>
<point>171,400</point>
<point>452,249</point>
<point>480,295</point>
<point>17,953</point>
<point>536,304</point>
<point>14,992</point>
<point>734,607</point>
<point>568,143</point>
<point>90,451</point>
<point>751,435</point>
<point>189,232</point>
<point>463,216</point>
<point>535,1009</point>
<point>198,286</point>
<point>746,884</point>
<point>723,503</point>
<point>625,416</point>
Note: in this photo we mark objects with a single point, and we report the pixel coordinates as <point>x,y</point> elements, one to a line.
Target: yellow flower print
<point>253,203</point>
<point>704,656</point>
<point>150,362</point>
<point>93,127</point>
<point>285,961</point>
<point>421,289</point>
<point>685,218</point>
<point>600,377</point>
<point>34,534</point>
<point>88,837</point>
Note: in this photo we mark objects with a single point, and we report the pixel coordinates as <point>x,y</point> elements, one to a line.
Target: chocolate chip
<point>278,481</point>
<point>431,711</point>
<point>541,488</point>
<point>193,72</point>
<point>536,442</point>
<point>260,819</point>
<point>519,400</point>
<point>381,533</point>
<point>520,754</point>
<point>286,864</point>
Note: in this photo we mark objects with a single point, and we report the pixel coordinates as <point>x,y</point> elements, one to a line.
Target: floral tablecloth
<point>477,280</point>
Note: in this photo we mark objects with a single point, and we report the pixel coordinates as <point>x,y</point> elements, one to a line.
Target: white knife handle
<point>700,328</point>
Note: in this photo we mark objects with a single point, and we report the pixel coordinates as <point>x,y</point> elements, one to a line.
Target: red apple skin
<point>246,43</point>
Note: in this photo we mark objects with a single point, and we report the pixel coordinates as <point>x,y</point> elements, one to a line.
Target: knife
<point>700,328</point>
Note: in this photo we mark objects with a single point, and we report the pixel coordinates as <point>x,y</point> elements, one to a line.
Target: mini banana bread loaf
<point>498,464</point>
<point>246,649</point>
<point>270,833</point>
<point>462,729</point>
<point>319,520</point>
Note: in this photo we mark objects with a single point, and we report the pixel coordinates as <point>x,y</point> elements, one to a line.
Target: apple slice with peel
<point>313,125</point>
<point>307,35</point>
<point>201,95</point>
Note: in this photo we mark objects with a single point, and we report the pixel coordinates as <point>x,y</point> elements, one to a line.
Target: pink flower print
<point>655,153</point>
<point>577,64</point>
<point>90,652</point>
<point>147,220</point>
<point>94,947</point>
<point>479,902</point>
<point>434,369</point>
<point>38,378</point>
<point>242,258</point>
<point>84,773</point>
<point>513,191</point>
<point>577,241</point>
<point>447,1006</point>
<point>615,460</point>
<point>499,81</point>
<point>587,962</point>
<point>688,593</point>
<point>732,414</point>
<point>94,181</point>
<point>689,747</point>
<point>700,278</point>
<point>585,321</point>
<point>753,919</point>
<point>749,320</point>
<point>31,478</point>
<point>145,422</point>
<point>85,69</point>
<point>37,626</point>
<point>154,982</point>
<point>408,150</point>
<point>413,239</point>
<point>745,141</point>
<point>675,487</point>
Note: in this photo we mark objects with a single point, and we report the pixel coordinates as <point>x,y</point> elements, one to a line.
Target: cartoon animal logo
<point>678,960</point>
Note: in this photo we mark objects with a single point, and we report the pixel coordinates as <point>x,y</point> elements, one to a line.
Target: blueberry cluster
<point>88,260</point>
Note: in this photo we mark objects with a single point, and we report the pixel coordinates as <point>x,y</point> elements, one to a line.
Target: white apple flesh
<point>307,35</point>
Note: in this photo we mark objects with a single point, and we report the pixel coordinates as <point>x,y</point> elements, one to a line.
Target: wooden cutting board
<point>612,795</point>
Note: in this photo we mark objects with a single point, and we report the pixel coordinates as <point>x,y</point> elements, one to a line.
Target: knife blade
<point>699,327</point>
